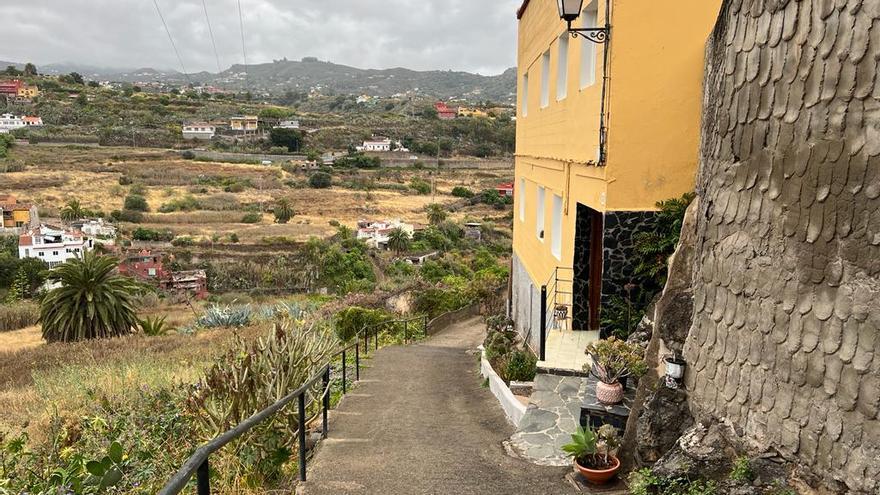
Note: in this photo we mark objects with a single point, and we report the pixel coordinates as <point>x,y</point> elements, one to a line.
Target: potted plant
<point>595,453</point>
<point>613,359</point>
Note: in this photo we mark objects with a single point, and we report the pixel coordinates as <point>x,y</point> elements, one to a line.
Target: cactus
<point>252,376</point>
<point>225,316</point>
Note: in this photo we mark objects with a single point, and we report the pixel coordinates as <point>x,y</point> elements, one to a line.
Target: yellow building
<point>605,130</point>
<point>246,124</point>
<point>28,91</point>
<point>17,216</point>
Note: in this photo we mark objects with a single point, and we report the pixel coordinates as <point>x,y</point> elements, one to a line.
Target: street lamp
<point>569,11</point>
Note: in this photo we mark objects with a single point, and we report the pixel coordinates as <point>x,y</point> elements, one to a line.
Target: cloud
<point>471,35</point>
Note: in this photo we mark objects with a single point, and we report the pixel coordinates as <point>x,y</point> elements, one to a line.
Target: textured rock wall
<point>618,245</point>
<point>785,340</point>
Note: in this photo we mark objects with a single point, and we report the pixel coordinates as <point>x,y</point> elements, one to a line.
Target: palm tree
<point>73,210</point>
<point>398,240</point>
<point>283,211</point>
<point>91,302</point>
<point>436,214</point>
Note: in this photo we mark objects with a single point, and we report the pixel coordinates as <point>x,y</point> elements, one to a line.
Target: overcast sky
<point>471,35</point>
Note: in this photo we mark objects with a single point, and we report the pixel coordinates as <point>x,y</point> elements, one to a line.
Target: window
<point>522,200</point>
<point>54,253</point>
<point>42,253</point>
<point>556,232</point>
<point>545,79</point>
<point>588,48</point>
<point>539,220</point>
<point>525,95</point>
<point>562,68</point>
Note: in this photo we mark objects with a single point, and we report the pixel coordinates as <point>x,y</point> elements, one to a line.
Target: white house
<point>199,130</point>
<point>9,122</point>
<point>375,234</point>
<point>288,124</point>
<point>52,245</point>
<point>96,228</point>
<point>375,144</point>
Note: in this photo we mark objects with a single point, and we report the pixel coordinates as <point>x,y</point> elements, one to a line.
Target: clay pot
<point>609,394</point>
<point>599,476</point>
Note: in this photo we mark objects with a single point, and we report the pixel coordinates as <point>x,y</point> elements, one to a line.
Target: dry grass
<point>17,340</point>
<point>36,379</point>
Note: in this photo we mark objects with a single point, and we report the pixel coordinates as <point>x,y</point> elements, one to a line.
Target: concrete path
<point>420,422</point>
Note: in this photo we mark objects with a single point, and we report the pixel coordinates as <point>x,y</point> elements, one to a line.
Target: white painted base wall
<point>513,408</point>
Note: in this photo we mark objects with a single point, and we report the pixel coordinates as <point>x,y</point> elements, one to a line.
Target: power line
<point>243,51</point>
<point>211,32</point>
<point>168,31</point>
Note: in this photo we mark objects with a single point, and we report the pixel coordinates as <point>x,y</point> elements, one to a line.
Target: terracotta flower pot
<point>609,394</point>
<point>599,476</point>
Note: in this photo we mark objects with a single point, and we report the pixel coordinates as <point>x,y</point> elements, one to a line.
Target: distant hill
<point>287,75</point>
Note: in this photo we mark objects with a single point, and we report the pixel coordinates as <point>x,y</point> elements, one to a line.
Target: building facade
<point>592,161</point>
<point>249,124</point>
<point>53,246</point>
<point>10,122</point>
<point>18,216</point>
<point>199,130</point>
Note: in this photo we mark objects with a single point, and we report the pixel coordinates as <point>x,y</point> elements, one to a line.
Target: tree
<point>398,240</point>
<point>436,213</point>
<point>92,301</point>
<point>72,211</point>
<point>12,71</point>
<point>30,69</point>
<point>320,180</point>
<point>72,78</point>
<point>136,202</point>
<point>289,138</point>
<point>283,211</point>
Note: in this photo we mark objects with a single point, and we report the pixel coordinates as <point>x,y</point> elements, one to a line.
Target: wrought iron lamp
<point>569,11</point>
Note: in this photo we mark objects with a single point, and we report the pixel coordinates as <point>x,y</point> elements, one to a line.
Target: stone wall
<point>784,344</point>
<point>618,266</point>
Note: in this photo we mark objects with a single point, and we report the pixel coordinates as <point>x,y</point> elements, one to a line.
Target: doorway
<point>587,284</point>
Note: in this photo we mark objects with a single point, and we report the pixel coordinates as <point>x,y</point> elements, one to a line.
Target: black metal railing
<point>553,297</point>
<point>197,464</point>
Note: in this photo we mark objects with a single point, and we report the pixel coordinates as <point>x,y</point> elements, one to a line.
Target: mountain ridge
<point>309,73</point>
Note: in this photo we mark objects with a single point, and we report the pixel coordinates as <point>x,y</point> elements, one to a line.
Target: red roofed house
<point>445,112</point>
<point>505,189</point>
<point>10,88</point>
<point>144,265</point>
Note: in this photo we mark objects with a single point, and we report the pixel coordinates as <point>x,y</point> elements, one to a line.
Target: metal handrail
<point>197,463</point>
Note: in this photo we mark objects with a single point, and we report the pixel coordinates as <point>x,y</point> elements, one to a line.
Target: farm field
<point>225,193</point>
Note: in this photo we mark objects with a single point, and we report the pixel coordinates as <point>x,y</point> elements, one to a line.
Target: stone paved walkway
<point>421,423</point>
<point>550,420</point>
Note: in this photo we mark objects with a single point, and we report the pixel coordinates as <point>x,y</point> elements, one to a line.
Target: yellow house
<point>28,91</point>
<point>606,128</point>
<point>17,216</point>
<point>246,124</point>
<point>471,112</point>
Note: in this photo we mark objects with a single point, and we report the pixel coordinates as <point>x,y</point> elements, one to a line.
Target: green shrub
<point>127,216</point>
<point>252,217</point>
<point>186,203</point>
<point>420,186</point>
<point>153,327</point>
<point>182,241</point>
<point>320,180</point>
<point>124,180</point>
<point>742,470</point>
<point>352,320</point>
<point>136,203</point>
<point>225,316</point>
<point>143,234</point>
<point>462,192</point>
<point>522,366</point>
<point>188,155</point>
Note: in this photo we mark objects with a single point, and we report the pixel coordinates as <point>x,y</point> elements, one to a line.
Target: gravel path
<point>420,422</point>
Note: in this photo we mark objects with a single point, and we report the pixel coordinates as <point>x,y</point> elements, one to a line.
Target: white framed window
<point>562,68</point>
<point>522,200</point>
<point>545,79</point>
<point>525,94</point>
<point>589,19</point>
<point>556,228</point>
<point>539,213</point>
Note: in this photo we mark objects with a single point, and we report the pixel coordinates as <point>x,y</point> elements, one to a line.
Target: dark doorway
<point>587,286</point>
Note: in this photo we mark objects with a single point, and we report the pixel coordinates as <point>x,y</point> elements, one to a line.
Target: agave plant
<point>154,326</point>
<point>225,316</point>
<point>91,302</point>
<point>254,375</point>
